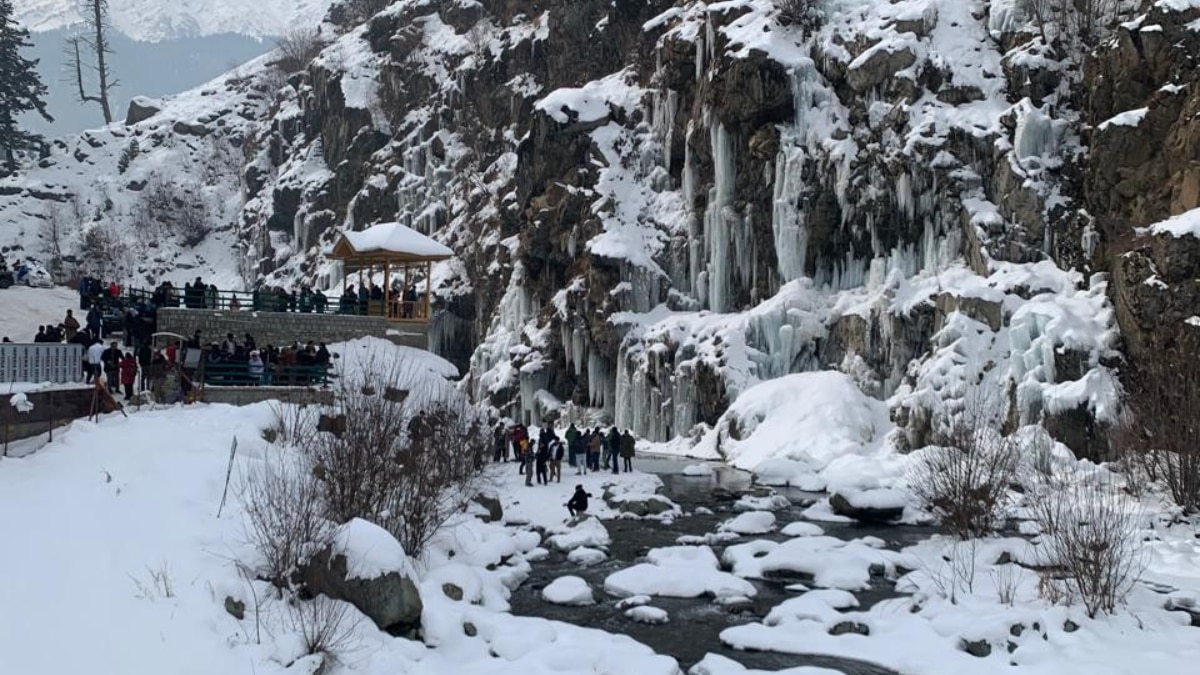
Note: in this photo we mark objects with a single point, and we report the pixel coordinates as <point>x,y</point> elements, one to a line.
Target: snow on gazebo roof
<point>390,240</point>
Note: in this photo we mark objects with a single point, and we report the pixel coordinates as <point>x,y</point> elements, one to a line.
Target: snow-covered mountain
<point>923,194</point>
<point>153,20</point>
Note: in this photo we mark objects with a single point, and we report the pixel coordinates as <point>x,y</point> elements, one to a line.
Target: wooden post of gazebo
<point>388,245</point>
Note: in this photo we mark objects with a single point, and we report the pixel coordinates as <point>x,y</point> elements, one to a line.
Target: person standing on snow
<point>556,457</point>
<point>542,461</point>
<point>128,367</point>
<point>70,325</point>
<point>95,320</point>
<point>572,435</point>
<point>578,504</point>
<point>614,449</point>
<point>628,447</point>
<point>95,359</point>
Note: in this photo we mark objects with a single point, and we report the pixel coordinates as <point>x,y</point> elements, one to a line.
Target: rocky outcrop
<point>141,109</point>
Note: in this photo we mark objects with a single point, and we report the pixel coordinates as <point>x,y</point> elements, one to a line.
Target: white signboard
<point>41,362</point>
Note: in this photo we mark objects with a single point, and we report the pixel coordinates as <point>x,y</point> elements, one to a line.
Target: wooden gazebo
<point>401,254</point>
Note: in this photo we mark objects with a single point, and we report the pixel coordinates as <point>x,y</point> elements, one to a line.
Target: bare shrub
<point>297,48</point>
<point>165,208</point>
<point>157,585</point>
<point>294,425</point>
<point>285,517</point>
<point>805,14</point>
<point>406,461</point>
<point>1073,24</point>
<point>964,481</point>
<point>1007,580</point>
<point>1160,434</point>
<point>325,626</point>
<point>954,572</point>
<point>99,252</point>
<point>1091,535</point>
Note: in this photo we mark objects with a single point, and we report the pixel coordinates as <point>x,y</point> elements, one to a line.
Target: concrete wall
<point>276,328</point>
<point>51,409</point>
<point>250,395</point>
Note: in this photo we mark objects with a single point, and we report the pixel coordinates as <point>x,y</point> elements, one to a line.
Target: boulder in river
<point>870,506</point>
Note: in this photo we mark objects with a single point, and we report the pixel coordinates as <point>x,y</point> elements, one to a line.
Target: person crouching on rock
<point>579,501</point>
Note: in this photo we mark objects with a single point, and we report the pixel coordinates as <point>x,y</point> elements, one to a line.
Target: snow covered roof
<point>390,240</point>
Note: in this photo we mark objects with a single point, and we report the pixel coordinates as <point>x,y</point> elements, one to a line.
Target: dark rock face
<point>141,109</point>
<point>392,601</point>
<point>729,186</point>
<point>493,507</point>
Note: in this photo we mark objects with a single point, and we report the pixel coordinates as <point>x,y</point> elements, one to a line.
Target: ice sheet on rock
<point>568,591</point>
<point>680,572</point>
<point>819,420</point>
<point>697,470</point>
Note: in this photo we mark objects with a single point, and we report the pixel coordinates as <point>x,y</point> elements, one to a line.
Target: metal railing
<point>237,374</point>
<point>395,309</point>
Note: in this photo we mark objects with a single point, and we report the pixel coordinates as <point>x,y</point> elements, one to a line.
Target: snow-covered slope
<point>711,197</point>
<point>151,20</point>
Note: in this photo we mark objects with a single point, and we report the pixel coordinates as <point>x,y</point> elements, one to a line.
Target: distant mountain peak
<point>155,20</point>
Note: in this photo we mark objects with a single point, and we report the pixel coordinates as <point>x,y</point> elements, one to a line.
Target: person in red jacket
<point>128,367</point>
<point>114,291</point>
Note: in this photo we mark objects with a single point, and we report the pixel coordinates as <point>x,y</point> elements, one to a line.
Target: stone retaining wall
<point>240,396</point>
<point>275,328</point>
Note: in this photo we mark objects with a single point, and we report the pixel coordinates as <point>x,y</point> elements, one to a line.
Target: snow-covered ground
<point>23,309</point>
<point>114,526</point>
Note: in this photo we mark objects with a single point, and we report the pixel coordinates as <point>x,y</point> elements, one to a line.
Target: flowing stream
<point>696,623</point>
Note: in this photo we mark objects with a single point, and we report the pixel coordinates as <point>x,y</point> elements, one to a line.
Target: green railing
<point>235,374</point>
<point>395,309</point>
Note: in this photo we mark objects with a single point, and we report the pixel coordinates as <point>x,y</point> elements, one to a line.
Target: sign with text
<point>41,362</point>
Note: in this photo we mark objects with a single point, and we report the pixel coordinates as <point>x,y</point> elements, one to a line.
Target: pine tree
<point>21,89</point>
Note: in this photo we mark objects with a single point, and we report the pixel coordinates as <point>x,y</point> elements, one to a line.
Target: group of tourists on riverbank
<point>588,449</point>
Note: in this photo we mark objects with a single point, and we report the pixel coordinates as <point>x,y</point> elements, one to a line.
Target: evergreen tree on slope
<point>21,90</point>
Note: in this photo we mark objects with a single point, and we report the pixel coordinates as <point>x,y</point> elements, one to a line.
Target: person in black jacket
<point>579,501</point>
<point>614,449</point>
<point>542,460</point>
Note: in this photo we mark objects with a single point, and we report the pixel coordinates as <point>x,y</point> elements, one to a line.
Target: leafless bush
<point>157,585</point>
<point>1073,24</point>
<point>164,208</point>
<point>325,626</point>
<point>964,480</point>
<point>1007,579</point>
<point>406,461</point>
<point>294,425</point>
<point>1092,536</point>
<point>954,572</point>
<point>805,14</point>
<point>297,48</point>
<point>1161,431</point>
<point>99,252</point>
<point>285,517</point>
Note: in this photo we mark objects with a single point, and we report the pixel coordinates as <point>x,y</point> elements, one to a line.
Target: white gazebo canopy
<point>390,239</point>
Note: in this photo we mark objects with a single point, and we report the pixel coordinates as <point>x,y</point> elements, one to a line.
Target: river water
<point>703,619</point>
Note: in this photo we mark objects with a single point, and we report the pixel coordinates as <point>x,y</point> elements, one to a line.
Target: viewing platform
<point>400,309</point>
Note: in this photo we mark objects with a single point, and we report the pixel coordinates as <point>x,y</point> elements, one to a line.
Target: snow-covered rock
<point>751,522</point>
<point>680,572</point>
<point>647,614</point>
<point>568,591</point>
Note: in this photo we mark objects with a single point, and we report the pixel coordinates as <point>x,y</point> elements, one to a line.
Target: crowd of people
<point>366,299</point>
<point>583,449</point>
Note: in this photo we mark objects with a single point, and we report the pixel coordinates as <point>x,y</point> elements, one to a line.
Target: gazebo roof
<point>389,241</point>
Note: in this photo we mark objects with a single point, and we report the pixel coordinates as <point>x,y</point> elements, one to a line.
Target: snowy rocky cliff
<point>658,204</point>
